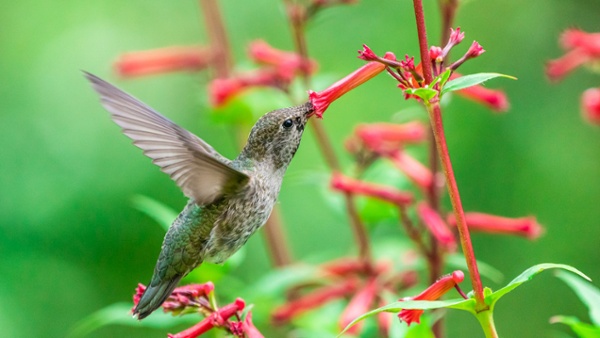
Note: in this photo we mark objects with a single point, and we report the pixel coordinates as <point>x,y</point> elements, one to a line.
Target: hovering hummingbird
<point>228,200</point>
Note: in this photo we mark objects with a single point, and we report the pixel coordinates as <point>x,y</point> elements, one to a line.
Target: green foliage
<point>526,276</point>
<point>120,314</point>
<point>590,296</point>
<point>426,94</point>
<point>470,80</point>
<point>467,304</point>
<point>587,293</point>
<point>583,330</point>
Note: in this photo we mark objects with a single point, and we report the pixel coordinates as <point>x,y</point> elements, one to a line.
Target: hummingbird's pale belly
<point>243,215</point>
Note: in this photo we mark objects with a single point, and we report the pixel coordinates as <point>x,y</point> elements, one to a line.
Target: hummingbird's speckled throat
<point>228,200</point>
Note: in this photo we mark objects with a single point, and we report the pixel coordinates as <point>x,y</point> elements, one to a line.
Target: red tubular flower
<point>558,68</point>
<point>313,300</point>
<point>367,54</point>
<point>408,63</point>
<point>475,50</point>
<point>287,63</point>
<point>386,137</point>
<point>217,318</point>
<point>163,60</point>
<point>588,42</point>
<point>413,169</point>
<point>352,186</point>
<point>139,291</point>
<point>436,53</point>
<point>321,100</point>
<point>221,90</point>
<point>582,48</point>
<point>590,105</point>
<point>344,267</point>
<point>433,292</point>
<point>358,305</point>
<point>436,226</point>
<point>525,226</point>
<point>456,36</point>
<point>492,98</point>
<point>249,329</point>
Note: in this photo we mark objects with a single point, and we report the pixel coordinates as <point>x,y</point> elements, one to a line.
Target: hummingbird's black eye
<point>288,123</point>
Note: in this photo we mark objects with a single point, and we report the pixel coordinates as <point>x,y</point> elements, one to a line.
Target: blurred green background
<point>71,243</point>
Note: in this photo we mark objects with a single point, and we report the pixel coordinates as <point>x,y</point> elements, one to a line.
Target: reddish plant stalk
<point>297,21</point>
<point>448,11</point>
<point>435,116</point>
<point>217,34</point>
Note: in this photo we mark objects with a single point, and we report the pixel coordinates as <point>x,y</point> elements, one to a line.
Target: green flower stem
<point>486,320</point>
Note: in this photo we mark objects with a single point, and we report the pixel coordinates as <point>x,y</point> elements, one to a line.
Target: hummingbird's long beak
<point>310,109</point>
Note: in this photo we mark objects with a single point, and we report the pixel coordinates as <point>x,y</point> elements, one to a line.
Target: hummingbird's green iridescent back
<point>229,200</point>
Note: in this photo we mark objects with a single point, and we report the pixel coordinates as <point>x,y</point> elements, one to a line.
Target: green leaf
<point>426,94</point>
<point>444,77</point>
<point>587,293</point>
<point>471,80</point>
<point>461,304</point>
<point>120,313</point>
<point>159,212</point>
<point>583,330</point>
<point>528,275</point>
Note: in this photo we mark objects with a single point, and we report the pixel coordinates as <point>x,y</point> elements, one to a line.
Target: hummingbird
<point>228,200</point>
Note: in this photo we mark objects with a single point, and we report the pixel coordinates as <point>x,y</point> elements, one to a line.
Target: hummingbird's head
<point>276,135</point>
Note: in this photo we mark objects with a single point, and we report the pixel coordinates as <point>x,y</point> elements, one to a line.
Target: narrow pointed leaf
<point>462,304</point>
<point>587,293</point>
<point>424,93</point>
<point>471,80</point>
<point>583,330</point>
<point>442,79</point>
<point>159,212</point>
<point>120,314</point>
<point>528,275</point>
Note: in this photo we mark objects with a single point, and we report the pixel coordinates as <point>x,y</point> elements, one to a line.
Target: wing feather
<point>199,170</point>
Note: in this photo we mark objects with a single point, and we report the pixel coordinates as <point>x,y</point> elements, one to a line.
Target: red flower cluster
<point>582,48</point>
<point>352,186</point>
<point>194,298</point>
<point>433,292</point>
<point>410,76</point>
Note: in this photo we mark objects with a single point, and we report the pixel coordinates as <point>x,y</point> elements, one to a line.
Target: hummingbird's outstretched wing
<point>199,170</point>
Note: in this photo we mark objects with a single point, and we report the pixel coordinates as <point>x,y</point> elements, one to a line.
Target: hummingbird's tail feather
<point>154,296</point>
